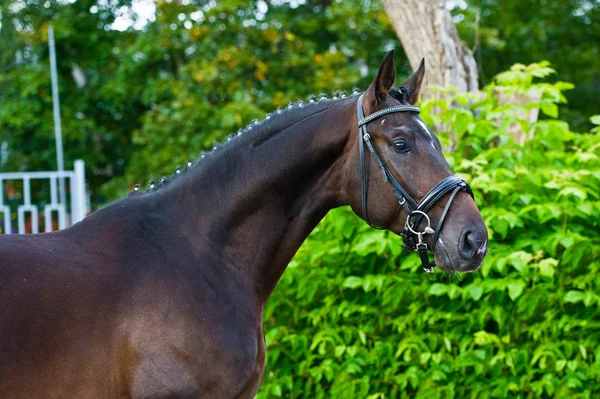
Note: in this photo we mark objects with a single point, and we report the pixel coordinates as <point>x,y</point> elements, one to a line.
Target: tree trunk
<point>425,29</point>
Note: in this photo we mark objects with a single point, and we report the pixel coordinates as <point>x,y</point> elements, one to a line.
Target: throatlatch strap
<point>363,178</point>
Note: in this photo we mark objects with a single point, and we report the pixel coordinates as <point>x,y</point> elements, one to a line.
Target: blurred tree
<point>95,127</point>
<point>564,32</point>
<point>426,30</point>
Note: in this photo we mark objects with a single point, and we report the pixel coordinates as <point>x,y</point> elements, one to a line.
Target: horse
<point>161,294</point>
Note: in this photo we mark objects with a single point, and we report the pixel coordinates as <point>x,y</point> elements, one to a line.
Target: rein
<point>416,211</point>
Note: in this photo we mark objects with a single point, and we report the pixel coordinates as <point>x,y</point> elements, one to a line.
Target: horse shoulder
<point>191,330</point>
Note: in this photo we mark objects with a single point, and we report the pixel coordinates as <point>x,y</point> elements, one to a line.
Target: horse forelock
<point>402,97</point>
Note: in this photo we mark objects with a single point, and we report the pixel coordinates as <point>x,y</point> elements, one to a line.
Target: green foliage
<point>354,316</point>
<point>96,125</point>
<point>564,32</point>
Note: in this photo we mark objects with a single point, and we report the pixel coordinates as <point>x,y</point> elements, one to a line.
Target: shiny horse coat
<point>161,294</point>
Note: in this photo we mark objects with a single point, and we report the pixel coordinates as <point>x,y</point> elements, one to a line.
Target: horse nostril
<point>467,248</point>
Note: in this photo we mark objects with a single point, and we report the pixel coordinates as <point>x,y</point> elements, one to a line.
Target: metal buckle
<point>422,251</point>
<point>366,137</point>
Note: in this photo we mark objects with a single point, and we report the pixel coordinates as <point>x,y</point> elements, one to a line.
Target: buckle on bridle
<point>422,251</point>
<point>421,246</point>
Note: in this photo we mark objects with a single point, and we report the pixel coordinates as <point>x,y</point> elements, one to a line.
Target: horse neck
<point>257,201</point>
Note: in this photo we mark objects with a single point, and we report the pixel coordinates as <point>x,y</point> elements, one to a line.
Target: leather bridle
<point>416,211</point>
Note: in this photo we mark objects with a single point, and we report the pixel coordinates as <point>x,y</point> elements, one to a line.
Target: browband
<point>390,110</point>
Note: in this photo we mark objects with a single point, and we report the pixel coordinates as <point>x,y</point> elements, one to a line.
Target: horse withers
<point>161,294</point>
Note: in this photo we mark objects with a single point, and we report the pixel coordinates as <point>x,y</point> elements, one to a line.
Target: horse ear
<point>413,83</point>
<point>383,82</point>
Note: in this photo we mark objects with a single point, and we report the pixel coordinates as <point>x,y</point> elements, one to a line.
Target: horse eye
<point>400,146</point>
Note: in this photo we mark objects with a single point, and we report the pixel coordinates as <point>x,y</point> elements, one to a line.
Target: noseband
<point>416,211</point>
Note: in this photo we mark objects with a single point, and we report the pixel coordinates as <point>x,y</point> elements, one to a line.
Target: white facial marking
<point>482,248</point>
<point>382,121</point>
<point>424,126</point>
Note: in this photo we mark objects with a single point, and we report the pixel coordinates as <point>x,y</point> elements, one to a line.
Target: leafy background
<point>353,315</point>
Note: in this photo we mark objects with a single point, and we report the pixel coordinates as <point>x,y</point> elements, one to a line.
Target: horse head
<point>399,180</point>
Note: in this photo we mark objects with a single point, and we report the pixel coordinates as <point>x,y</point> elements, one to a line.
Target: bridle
<point>416,211</point>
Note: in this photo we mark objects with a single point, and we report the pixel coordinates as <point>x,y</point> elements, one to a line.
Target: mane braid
<point>267,128</point>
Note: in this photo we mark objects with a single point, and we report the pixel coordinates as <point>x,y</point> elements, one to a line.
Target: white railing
<point>77,201</point>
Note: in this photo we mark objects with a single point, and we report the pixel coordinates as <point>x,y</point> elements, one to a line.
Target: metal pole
<point>80,211</point>
<point>57,125</point>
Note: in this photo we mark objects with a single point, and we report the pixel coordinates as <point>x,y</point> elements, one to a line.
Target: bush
<point>354,315</point>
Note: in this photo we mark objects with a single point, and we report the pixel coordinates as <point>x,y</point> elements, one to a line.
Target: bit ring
<point>410,227</point>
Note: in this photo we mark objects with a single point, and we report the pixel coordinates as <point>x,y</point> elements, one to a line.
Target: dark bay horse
<point>161,294</point>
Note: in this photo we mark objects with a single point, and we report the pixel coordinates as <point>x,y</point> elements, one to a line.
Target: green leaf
<point>475,291</point>
<point>277,391</point>
<point>575,191</point>
<point>547,267</point>
<point>573,296</point>
<point>438,289</point>
<point>549,109</point>
<point>363,337</point>
<point>588,298</point>
<point>448,344</point>
<point>560,365</point>
<point>515,289</point>
<point>353,282</point>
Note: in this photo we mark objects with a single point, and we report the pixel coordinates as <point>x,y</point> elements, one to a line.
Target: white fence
<point>76,203</point>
